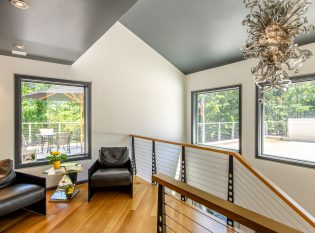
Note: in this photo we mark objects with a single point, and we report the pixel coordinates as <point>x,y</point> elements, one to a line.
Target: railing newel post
<point>183,170</point>
<point>153,162</point>
<point>133,156</point>
<point>230,195</point>
<point>161,220</point>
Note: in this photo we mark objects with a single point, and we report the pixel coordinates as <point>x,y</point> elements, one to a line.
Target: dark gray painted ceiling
<point>195,35</point>
<point>58,30</point>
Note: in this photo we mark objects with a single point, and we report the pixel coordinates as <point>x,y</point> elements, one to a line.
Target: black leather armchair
<point>27,191</point>
<point>112,169</point>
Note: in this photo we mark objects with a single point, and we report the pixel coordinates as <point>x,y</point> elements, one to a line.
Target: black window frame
<point>194,109</point>
<point>19,78</point>
<point>259,131</point>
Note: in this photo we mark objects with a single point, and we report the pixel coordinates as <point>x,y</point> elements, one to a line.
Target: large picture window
<point>286,123</point>
<point>216,117</point>
<point>51,115</point>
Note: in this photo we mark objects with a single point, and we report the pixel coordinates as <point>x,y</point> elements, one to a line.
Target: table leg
<point>66,189</point>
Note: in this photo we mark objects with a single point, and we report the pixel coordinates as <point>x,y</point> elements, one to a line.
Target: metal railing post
<point>29,133</point>
<point>230,197</point>
<point>233,130</point>
<point>133,156</point>
<point>203,133</point>
<point>183,170</point>
<point>161,220</point>
<point>153,162</point>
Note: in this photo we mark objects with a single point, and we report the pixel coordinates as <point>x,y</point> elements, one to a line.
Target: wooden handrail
<point>272,186</point>
<point>241,215</point>
<point>226,152</point>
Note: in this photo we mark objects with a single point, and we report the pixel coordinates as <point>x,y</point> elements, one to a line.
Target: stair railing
<point>222,173</point>
<point>174,215</point>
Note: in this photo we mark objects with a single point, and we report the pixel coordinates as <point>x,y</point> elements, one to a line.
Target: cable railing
<point>174,215</point>
<point>222,173</point>
<point>31,130</point>
<point>210,132</point>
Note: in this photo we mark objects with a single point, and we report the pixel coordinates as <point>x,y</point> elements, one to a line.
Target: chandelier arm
<point>272,28</point>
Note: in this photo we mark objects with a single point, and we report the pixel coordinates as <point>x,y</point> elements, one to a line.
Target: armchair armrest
<point>129,166</point>
<point>93,168</point>
<point>29,179</point>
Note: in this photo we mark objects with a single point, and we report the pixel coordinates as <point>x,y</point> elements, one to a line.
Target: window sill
<point>43,162</point>
<point>288,161</point>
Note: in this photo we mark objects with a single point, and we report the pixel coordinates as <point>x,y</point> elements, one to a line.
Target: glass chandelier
<point>273,26</point>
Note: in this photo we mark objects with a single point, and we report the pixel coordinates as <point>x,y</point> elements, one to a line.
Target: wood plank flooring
<point>106,212</point>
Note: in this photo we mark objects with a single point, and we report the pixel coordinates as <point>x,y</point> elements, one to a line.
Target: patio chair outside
<point>63,140</point>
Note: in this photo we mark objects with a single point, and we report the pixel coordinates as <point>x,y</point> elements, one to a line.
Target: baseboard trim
<point>55,186</point>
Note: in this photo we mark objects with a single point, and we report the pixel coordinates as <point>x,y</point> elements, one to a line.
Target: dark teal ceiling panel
<point>195,35</point>
<point>58,30</point>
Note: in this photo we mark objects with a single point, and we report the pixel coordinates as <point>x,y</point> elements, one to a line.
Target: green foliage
<point>220,106</point>
<point>223,106</point>
<point>56,156</point>
<point>46,110</point>
<point>297,102</point>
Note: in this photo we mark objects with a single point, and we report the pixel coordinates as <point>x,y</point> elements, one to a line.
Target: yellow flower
<point>55,153</point>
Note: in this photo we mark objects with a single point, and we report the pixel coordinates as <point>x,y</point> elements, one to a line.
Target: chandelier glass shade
<point>273,26</point>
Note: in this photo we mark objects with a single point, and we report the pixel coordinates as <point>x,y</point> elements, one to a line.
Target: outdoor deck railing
<point>223,131</point>
<point>31,133</point>
<point>224,174</point>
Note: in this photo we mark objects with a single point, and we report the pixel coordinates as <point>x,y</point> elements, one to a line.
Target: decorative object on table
<point>56,158</point>
<point>29,156</point>
<point>112,169</point>
<point>66,189</point>
<point>273,26</point>
<point>67,186</point>
<point>7,173</point>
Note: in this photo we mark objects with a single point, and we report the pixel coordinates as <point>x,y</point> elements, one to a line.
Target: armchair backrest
<point>113,156</point>
<point>7,173</point>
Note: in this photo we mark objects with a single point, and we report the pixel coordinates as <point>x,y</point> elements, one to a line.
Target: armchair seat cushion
<point>18,196</point>
<point>108,177</point>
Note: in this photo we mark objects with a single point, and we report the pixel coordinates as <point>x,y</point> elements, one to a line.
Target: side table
<point>66,189</point>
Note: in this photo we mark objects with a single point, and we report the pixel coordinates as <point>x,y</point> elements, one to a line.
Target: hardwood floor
<point>106,212</point>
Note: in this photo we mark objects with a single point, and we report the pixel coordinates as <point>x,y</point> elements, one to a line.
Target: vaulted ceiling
<point>195,35</point>
<point>57,30</point>
<point>192,35</point>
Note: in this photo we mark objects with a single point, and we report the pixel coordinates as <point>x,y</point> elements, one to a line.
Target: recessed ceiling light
<point>19,53</point>
<point>19,4</point>
<point>19,46</point>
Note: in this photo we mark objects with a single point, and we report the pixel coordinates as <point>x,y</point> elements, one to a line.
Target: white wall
<point>296,181</point>
<point>134,90</point>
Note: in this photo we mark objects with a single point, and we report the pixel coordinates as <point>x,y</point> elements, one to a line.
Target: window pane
<point>52,119</point>
<point>217,118</point>
<point>289,123</point>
